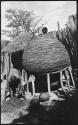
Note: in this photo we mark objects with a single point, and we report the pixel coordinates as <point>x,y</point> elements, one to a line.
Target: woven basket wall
<point>45,54</point>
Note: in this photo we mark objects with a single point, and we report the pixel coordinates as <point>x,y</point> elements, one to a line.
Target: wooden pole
<point>61,80</point>
<point>6,65</point>
<point>9,62</point>
<point>48,83</point>
<point>33,87</point>
<point>67,79</point>
<point>25,76</point>
<point>27,88</point>
<point>3,63</point>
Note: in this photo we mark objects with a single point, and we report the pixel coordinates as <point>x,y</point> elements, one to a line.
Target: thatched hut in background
<point>42,54</point>
<point>14,49</point>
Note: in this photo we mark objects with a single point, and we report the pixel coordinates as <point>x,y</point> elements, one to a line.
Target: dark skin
<point>13,84</point>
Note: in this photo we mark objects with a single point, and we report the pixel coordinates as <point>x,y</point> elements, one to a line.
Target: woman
<point>14,81</point>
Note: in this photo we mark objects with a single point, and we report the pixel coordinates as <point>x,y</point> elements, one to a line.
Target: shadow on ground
<point>65,112</point>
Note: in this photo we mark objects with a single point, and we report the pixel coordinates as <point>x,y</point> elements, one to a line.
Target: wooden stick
<point>27,88</point>
<point>9,62</point>
<point>61,80</point>
<point>6,64</point>
<point>25,76</point>
<point>3,62</point>
<point>33,87</point>
<point>48,83</point>
<point>67,80</point>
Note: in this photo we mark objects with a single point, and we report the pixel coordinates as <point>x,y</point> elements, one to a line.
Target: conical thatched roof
<point>45,53</point>
<point>4,43</point>
<point>42,53</point>
<point>18,43</point>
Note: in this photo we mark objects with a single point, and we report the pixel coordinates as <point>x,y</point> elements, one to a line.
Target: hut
<point>15,49</point>
<point>42,54</point>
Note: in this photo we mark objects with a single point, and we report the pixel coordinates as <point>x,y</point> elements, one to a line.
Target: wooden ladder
<point>66,77</point>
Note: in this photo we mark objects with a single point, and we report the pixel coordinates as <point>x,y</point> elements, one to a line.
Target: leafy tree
<point>19,20</point>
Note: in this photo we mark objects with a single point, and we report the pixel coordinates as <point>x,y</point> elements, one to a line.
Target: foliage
<point>66,36</point>
<point>19,20</point>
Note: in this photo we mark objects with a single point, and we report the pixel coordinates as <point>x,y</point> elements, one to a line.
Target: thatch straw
<point>4,43</point>
<point>42,53</point>
<point>18,43</point>
<point>45,54</point>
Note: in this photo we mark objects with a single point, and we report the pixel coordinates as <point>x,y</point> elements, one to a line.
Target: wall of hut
<point>16,58</point>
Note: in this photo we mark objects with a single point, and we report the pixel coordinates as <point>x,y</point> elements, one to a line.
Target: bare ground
<point>19,111</point>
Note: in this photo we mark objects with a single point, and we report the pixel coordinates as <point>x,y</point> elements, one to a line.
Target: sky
<point>51,11</point>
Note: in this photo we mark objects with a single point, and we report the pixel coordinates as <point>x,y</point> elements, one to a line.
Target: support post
<point>9,62</point>
<point>48,83</point>
<point>61,80</point>
<point>23,74</point>
<point>3,67</point>
<point>27,88</point>
<point>6,65</point>
<point>33,87</point>
<point>67,79</point>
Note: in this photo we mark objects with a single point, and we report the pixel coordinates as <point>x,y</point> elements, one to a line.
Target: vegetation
<point>66,36</point>
<point>19,20</point>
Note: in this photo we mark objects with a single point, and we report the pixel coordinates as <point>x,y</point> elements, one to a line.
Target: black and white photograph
<point>39,58</point>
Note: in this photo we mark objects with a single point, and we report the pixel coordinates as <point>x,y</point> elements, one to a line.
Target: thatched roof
<point>45,53</point>
<point>18,43</point>
<point>42,53</point>
<point>4,43</point>
<point>22,40</point>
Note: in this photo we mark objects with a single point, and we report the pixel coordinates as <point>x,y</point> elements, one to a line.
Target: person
<point>14,82</point>
<point>23,87</point>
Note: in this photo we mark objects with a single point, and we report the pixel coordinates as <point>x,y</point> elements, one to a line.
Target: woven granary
<point>45,53</point>
<point>42,53</point>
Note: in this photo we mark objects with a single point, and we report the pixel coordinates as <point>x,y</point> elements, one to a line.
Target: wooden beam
<point>27,88</point>
<point>3,63</point>
<point>6,65</point>
<point>33,87</point>
<point>11,65</point>
<point>61,81</point>
<point>67,79</point>
<point>9,62</point>
<point>48,83</point>
<point>23,74</point>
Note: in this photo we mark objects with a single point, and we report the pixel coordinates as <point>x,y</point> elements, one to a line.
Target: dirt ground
<point>19,111</point>
<point>13,109</point>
